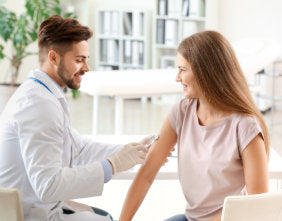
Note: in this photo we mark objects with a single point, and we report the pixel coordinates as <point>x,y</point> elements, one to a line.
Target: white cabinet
<point>174,20</point>
<point>121,40</point>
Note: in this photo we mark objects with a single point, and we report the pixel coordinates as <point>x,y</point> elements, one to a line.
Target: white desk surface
<point>129,83</point>
<point>169,170</point>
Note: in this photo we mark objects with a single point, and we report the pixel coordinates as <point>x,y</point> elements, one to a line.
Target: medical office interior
<point>132,57</point>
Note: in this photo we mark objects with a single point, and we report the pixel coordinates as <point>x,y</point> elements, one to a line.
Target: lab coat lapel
<point>65,107</point>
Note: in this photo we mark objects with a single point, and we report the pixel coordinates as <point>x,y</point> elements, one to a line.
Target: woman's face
<point>186,77</point>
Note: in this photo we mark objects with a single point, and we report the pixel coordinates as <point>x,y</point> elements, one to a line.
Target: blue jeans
<point>101,212</point>
<point>96,210</point>
<point>180,217</point>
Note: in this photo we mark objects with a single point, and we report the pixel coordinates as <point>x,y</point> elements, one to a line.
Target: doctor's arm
<point>158,153</point>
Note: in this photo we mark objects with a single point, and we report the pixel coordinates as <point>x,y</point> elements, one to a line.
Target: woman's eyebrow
<point>82,56</point>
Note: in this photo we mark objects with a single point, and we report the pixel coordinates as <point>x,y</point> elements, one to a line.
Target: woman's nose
<point>177,77</point>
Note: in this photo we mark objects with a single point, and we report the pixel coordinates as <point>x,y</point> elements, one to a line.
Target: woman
<point>221,135</point>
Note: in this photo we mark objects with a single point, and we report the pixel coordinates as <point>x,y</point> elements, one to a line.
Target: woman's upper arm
<point>157,155</point>
<point>159,150</point>
<point>255,165</point>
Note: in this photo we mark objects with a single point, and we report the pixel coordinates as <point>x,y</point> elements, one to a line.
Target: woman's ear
<point>53,58</point>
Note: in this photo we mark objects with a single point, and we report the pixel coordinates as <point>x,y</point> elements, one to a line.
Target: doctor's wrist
<point>112,165</point>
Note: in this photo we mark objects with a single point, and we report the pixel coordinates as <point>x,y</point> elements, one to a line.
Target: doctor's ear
<point>53,57</point>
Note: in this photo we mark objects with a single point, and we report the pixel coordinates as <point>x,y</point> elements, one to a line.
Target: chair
<point>10,205</point>
<point>259,207</point>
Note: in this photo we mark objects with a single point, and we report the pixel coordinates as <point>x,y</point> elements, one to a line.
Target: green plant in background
<point>21,31</point>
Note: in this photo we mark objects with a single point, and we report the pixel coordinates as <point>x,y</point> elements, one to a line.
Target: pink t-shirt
<point>209,158</point>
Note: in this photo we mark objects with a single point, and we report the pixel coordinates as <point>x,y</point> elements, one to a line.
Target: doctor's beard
<point>67,77</point>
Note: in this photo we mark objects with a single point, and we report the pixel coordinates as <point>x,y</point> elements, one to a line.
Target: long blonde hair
<point>219,75</point>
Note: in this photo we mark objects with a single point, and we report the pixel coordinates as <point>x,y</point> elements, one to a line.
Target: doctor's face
<point>73,64</point>
<point>186,77</point>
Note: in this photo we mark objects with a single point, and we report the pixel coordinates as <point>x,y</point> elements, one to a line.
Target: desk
<point>127,84</point>
<point>169,170</point>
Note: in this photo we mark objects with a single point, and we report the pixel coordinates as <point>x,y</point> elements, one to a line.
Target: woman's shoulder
<point>184,104</point>
<point>243,120</point>
<point>245,124</point>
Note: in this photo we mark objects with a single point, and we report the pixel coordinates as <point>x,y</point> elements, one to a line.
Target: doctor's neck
<point>52,73</point>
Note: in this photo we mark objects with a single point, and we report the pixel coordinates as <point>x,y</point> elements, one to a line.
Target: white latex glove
<point>128,156</point>
<point>147,141</point>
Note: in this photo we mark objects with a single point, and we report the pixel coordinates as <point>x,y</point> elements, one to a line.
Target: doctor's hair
<point>58,33</point>
<point>219,75</point>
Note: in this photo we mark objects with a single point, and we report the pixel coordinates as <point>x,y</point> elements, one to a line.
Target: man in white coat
<point>40,154</point>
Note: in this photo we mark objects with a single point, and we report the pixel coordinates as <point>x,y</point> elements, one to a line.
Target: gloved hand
<point>147,141</point>
<point>128,156</point>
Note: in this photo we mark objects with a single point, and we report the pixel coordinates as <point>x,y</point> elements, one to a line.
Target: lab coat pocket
<point>36,214</point>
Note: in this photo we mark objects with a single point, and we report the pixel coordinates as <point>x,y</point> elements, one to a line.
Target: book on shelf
<point>115,23</point>
<point>127,23</point>
<point>160,31</point>
<point>136,25</point>
<point>103,50</point>
<point>107,22</point>
<point>172,8</point>
<point>168,62</point>
<point>141,52</point>
<point>135,53</point>
<point>162,7</point>
<point>185,8</point>
<point>112,51</point>
<point>104,68</point>
<point>141,24</point>
<point>171,32</point>
<point>127,51</point>
<point>197,8</point>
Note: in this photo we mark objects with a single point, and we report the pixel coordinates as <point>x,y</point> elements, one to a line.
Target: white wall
<point>247,18</point>
<point>240,19</point>
<point>236,19</point>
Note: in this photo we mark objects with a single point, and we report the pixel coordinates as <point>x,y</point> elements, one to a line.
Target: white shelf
<point>196,19</point>
<point>121,39</point>
<point>101,36</point>
<point>163,46</point>
<point>174,20</point>
<point>135,38</point>
<point>167,17</point>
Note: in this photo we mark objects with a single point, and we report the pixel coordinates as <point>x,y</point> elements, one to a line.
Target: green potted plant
<point>21,31</point>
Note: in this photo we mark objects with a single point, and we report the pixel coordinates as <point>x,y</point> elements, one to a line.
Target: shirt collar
<point>49,82</point>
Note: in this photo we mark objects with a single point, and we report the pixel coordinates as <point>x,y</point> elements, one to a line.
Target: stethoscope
<point>40,82</point>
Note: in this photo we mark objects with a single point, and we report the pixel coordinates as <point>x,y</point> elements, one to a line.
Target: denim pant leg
<point>180,217</point>
<point>101,212</point>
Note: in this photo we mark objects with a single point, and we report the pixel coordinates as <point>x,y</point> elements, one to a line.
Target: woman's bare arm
<point>255,166</point>
<point>158,153</point>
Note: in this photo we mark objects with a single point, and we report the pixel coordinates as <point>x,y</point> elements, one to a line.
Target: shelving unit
<point>267,97</point>
<point>121,40</point>
<point>173,21</point>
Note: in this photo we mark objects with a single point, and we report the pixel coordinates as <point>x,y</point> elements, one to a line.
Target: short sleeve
<point>173,116</point>
<point>248,129</point>
<point>177,114</point>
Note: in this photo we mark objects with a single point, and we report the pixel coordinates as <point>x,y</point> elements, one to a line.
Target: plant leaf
<point>7,23</point>
<point>1,52</point>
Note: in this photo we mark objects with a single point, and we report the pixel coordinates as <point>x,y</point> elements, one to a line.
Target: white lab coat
<point>43,157</point>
